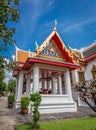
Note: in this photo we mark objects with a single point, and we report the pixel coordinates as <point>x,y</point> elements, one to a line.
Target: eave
<point>31,61</point>
<point>90,58</point>
<point>16,70</point>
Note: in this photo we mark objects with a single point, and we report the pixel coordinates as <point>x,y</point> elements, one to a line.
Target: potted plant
<point>25,100</point>
<point>11,99</point>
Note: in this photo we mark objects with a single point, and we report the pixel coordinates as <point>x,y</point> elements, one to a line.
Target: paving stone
<point>10,118</point>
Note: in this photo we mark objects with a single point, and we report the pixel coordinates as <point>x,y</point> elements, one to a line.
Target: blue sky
<point>76,22</point>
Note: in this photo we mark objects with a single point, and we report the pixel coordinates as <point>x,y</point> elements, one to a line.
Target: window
<point>81,74</point>
<point>94,71</point>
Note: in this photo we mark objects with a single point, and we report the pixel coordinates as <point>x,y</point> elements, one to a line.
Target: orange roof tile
<point>22,56</point>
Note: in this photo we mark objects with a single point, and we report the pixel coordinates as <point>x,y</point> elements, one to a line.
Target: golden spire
<point>37,47</point>
<point>55,25</point>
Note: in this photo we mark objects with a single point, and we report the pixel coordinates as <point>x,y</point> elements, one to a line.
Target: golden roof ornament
<point>37,48</point>
<point>55,25</point>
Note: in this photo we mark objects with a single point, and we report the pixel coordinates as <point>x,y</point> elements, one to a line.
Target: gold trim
<point>81,75</point>
<point>93,68</point>
<point>51,57</point>
<point>80,70</point>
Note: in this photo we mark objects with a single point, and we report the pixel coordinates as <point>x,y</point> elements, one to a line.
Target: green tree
<point>8,14</point>
<point>4,86</point>
<point>2,75</point>
<point>12,85</point>
<point>36,100</point>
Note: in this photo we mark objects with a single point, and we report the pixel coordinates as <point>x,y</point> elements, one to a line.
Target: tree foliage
<point>36,100</point>
<point>8,14</point>
<point>12,85</point>
<point>2,74</point>
<point>3,87</point>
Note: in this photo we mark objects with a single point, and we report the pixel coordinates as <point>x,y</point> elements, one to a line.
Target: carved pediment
<point>51,51</point>
<point>54,48</point>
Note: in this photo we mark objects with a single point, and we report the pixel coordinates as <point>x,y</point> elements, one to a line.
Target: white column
<point>20,85</point>
<point>64,87</point>
<point>68,84</point>
<point>45,84</point>
<point>16,93</point>
<point>45,81</point>
<point>54,85</point>
<point>42,84</point>
<point>31,88</point>
<point>35,78</point>
<point>28,85</point>
<point>59,87</point>
<point>76,76</point>
<point>50,84</point>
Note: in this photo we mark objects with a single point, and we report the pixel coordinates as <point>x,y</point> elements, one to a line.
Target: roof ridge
<point>46,40</point>
<point>89,47</point>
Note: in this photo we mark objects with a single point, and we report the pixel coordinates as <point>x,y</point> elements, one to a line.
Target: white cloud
<point>13,57</point>
<point>51,2</point>
<point>39,7</point>
<point>76,25</point>
<point>7,60</point>
<point>8,76</point>
<point>95,41</point>
<point>82,48</point>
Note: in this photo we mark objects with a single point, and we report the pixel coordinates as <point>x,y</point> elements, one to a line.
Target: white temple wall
<point>54,102</point>
<point>57,103</point>
<point>88,73</point>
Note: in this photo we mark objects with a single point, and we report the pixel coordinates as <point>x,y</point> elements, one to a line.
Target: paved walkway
<point>9,118</point>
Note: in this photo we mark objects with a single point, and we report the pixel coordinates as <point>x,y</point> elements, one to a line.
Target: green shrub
<point>25,102</point>
<point>36,100</point>
<point>11,98</point>
<point>0,95</point>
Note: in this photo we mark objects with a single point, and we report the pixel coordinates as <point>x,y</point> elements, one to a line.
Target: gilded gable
<point>51,51</point>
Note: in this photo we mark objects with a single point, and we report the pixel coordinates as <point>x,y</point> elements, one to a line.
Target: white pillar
<point>45,81</point>
<point>54,85</point>
<point>16,93</point>
<point>35,78</point>
<point>31,88</point>
<point>50,84</point>
<point>68,84</point>
<point>76,76</point>
<point>45,84</point>
<point>59,87</point>
<point>28,85</point>
<point>20,85</point>
<point>42,84</point>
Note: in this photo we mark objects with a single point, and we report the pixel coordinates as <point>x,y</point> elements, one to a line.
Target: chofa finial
<point>36,45</point>
<point>55,25</point>
<point>37,48</point>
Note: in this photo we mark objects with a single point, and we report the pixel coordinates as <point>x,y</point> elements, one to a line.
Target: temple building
<point>51,70</point>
